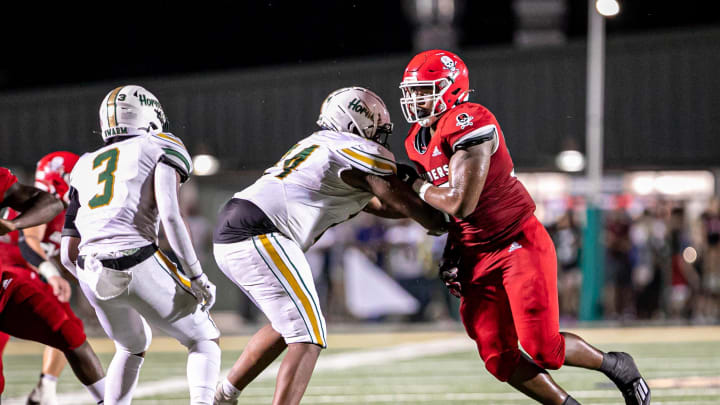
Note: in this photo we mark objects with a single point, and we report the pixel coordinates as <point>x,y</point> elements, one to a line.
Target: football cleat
<point>356,110</point>
<point>627,378</point>
<point>42,394</point>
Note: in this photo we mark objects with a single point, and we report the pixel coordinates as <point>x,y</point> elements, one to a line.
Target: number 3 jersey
<point>303,194</point>
<point>112,192</point>
<point>504,203</point>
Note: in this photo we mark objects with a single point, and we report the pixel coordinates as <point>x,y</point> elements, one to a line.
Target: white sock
<point>122,377</point>
<point>97,390</point>
<point>44,378</point>
<point>203,371</point>
<point>228,390</point>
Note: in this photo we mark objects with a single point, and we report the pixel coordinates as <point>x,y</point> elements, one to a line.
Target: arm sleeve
<point>169,210</point>
<point>174,154</point>
<point>29,253</point>
<point>69,229</point>
<point>369,157</point>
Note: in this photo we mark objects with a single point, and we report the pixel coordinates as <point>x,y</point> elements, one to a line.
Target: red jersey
<point>504,204</point>
<point>7,179</point>
<point>10,252</point>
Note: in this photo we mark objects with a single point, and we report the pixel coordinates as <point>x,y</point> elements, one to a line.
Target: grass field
<point>682,366</point>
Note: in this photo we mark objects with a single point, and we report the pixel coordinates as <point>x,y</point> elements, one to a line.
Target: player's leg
<point>33,313</point>
<point>263,348</point>
<point>272,270</point>
<point>531,284</point>
<point>162,296</point>
<point>45,392</point>
<point>4,337</point>
<point>132,336</point>
<point>486,315</point>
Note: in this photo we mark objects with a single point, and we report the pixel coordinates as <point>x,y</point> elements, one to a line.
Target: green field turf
<point>678,373</point>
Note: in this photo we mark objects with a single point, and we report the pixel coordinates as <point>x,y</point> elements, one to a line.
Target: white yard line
<point>339,361</point>
<point>382,356</point>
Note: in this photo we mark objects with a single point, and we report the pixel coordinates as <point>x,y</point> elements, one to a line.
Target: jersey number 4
<point>292,163</point>
<point>106,177</point>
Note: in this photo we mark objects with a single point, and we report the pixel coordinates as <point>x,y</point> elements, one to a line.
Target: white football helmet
<point>356,110</point>
<point>127,110</point>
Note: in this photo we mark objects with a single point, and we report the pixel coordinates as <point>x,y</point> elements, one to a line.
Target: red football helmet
<point>53,173</point>
<point>436,77</point>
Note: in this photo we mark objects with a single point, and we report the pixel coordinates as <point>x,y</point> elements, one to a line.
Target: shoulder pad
<point>370,157</point>
<point>173,153</point>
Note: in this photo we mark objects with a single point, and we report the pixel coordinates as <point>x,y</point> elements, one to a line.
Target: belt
<point>124,262</point>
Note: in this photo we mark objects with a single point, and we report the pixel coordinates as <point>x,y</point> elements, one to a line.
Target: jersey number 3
<point>106,177</point>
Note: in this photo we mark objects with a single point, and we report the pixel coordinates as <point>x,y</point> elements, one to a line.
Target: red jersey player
<point>38,248</point>
<point>499,259</point>
<point>28,309</point>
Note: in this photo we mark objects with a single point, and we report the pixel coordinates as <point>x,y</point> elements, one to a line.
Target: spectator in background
<point>567,236</point>
<point>650,258</point>
<point>619,299</point>
<point>684,279</point>
<point>709,305</point>
<point>406,258</point>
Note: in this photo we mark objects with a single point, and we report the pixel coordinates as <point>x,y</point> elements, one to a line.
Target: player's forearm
<point>40,208</point>
<point>445,199</point>
<point>178,237</point>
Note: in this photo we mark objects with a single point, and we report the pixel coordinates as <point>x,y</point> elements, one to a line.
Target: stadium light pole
<point>592,260</point>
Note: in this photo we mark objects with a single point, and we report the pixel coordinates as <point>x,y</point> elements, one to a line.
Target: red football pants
<point>513,296</point>
<point>32,312</point>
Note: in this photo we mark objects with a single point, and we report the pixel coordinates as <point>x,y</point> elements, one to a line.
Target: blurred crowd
<point>660,263</point>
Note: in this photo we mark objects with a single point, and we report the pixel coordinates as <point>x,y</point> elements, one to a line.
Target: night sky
<point>45,46</point>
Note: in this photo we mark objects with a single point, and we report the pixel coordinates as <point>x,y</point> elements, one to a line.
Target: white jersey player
<point>323,180</point>
<point>118,195</point>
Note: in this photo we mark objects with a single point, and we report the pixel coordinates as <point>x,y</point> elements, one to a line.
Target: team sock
<point>570,401</point>
<point>228,390</point>
<point>203,370</point>
<point>122,377</point>
<point>97,390</point>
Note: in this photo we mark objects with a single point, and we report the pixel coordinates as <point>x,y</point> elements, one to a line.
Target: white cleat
<point>43,394</point>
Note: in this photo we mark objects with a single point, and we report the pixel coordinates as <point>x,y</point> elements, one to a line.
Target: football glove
<point>204,291</point>
<point>407,173</point>
<point>448,273</point>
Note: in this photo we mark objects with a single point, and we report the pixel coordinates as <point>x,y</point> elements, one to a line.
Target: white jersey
<point>303,193</point>
<point>115,189</point>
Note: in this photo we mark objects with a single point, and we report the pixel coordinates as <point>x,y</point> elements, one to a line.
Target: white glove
<point>204,291</point>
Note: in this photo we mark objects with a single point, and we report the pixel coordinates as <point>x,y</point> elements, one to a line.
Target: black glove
<point>407,173</point>
<point>448,273</point>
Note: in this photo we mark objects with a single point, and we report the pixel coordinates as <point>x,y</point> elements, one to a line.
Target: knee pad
<point>547,353</point>
<point>70,335</point>
<point>503,365</point>
<point>137,343</point>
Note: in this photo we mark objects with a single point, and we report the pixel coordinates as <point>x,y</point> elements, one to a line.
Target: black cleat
<point>621,369</point>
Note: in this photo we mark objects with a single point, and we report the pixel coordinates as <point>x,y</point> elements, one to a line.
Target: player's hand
<point>61,288</point>
<point>448,273</point>
<point>6,226</point>
<point>204,290</point>
<point>407,173</point>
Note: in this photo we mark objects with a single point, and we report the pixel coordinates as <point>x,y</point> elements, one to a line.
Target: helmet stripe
<point>112,101</point>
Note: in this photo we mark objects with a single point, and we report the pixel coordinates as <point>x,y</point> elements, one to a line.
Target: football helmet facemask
<point>434,82</point>
<point>356,110</point>
<point>127,110</point>
<point>53,173</point>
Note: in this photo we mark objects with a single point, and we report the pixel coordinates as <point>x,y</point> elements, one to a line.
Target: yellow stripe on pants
<point>174,269</point>
<point>294,285</point>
